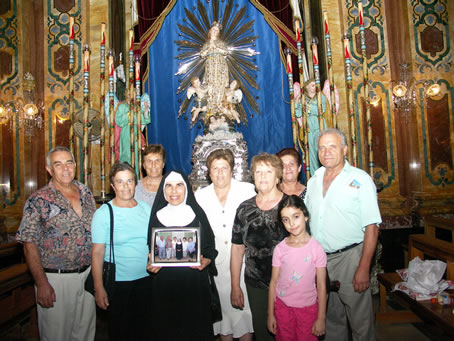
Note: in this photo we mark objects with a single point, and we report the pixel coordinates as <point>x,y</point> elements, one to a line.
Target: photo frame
<point>180,254</point>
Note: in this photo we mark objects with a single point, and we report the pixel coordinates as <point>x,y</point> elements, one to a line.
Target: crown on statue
<point>217,24</point>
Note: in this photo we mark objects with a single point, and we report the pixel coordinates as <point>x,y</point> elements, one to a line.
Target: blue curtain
<point>268,132</point>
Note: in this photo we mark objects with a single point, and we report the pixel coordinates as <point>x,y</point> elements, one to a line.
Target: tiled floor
<point>399,332</point>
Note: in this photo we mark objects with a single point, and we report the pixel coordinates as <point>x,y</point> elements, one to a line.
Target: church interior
<point>384,68</point>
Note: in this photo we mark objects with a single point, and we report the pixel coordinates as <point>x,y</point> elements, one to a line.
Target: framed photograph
<point>175,246</point>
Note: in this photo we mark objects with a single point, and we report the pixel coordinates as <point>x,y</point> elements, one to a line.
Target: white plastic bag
<point>424,276</point>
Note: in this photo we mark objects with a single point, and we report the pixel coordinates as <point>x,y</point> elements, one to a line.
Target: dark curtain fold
<point>150,10</point>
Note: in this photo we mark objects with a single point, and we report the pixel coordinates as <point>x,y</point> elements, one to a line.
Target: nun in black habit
<point>181,295</point>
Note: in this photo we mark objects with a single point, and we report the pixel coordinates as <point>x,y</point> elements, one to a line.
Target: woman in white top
<point>154,160</point>
<point>220,201</point>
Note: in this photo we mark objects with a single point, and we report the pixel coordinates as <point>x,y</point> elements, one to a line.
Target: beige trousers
<point>347,306</point>
<point>73,316</point>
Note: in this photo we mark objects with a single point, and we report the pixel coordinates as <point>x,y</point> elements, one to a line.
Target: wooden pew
<point>11,253</point>
<point>17,293</point>
<point>421,245</point>
<point>428,244</point>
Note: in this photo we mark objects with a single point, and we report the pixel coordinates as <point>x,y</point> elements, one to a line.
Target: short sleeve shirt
<point>142,194</point>
<point>259,231</point>
<point>130,238</point>
<point>297,276</point>
<point>62,237</point>
<point>339,218</point>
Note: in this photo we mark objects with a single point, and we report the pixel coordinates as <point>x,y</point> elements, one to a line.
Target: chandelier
<point>28,114</point>
<point>404,91</point>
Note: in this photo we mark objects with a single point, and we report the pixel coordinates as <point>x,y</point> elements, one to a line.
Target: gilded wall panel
<point>385,172</point>
<point>9,49</point>
<point>431,40</point>
<point>10,89</point>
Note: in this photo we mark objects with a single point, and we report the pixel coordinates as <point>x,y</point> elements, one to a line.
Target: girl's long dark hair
<point>295,202</point>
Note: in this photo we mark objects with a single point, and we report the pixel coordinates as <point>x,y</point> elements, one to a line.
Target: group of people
<point>174,248</point>
<point>268,247</point>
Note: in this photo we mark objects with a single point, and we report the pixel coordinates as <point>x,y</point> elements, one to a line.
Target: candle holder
<point>404,91</point>
<point>28,112</point>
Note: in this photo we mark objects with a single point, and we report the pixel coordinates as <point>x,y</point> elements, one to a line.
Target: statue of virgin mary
<point>218,54</point>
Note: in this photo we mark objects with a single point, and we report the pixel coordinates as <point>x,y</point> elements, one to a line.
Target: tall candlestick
<point>317,83</point>
<point>86,59</point>
<point>131,40</point>
<point>131,98</point>
<point>302,64</point>
<point>289,64</point>
<point>102,100</point>
<point>366,87</point>
<point>138,118</point>
<point>288,52</point>
<point>86,108</point>
<point>330,69</point>
<point>72,138</point>
<point>303,76</point>
<point>103,34</point>
<point>111,108</point>
<point>111,66</point>
<point>71,27</point>
<point>350,103</point>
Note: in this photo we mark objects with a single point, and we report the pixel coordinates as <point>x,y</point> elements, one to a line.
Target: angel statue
<point>217,57</point>
<point>232,96</point>
<point>312,122</point>
<point>200,94</point>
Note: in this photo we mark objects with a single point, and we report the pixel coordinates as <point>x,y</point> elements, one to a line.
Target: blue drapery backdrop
<point>268,132</point>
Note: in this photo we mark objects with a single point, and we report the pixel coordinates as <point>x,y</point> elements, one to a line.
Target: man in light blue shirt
<point>344,213</point>
<point>161,244</point>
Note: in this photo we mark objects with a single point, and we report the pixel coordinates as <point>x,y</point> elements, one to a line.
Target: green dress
<point>122,120</point>
<point>314,130</point>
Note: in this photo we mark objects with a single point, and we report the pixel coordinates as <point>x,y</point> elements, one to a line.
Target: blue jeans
<point>162,252</point>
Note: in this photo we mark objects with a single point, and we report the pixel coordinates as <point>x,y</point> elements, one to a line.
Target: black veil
<point>207,243</point>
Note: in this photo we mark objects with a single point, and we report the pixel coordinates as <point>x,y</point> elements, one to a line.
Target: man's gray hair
<point>57,149</point>
<point>333,131</point>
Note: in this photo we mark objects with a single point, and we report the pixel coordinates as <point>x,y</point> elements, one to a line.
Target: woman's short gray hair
<point>333,131</point>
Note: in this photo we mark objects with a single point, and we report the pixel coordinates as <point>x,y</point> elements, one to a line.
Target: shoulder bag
<point>108,269</point>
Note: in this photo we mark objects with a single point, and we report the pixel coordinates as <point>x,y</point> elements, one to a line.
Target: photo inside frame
<point>175,246</point>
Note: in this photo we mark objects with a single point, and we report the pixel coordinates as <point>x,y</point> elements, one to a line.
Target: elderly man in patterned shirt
<point>55,231</point>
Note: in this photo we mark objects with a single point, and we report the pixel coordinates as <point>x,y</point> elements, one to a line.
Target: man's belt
<point>72,271</point>
<point>344,249</point>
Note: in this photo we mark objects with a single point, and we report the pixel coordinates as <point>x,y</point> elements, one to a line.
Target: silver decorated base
<point>208,143</point>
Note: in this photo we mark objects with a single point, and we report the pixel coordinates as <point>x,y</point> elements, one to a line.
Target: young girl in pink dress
<point>297,293</point>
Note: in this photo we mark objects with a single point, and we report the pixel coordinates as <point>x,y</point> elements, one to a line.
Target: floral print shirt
<point>62,237</point>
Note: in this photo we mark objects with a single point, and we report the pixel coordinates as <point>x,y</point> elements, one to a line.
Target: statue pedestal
<point>208,143</point>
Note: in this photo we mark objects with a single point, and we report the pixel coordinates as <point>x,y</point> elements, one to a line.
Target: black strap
<point>111,255</point>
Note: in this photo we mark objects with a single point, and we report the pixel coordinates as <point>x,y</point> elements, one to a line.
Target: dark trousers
<point>258,301</point>
<point>130,310</point>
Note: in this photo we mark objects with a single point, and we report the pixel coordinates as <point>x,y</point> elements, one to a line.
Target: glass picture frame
<point>184,250</point>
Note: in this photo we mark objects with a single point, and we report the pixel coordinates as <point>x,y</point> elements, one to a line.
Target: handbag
<point>216,310</point>
<point>108,268</point>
